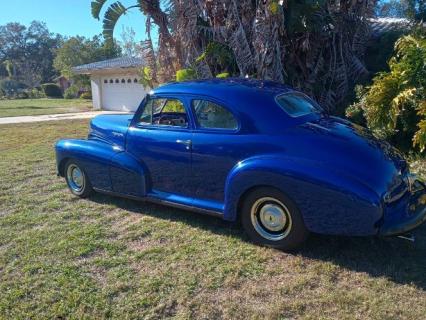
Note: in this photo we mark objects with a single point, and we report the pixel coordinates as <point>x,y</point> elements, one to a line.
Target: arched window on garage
<point>105,81</point>
<point>123,81</point>
<point>135,80</point>
<point>129,80</point>
<point>111,81</point>
<point>117,81</point>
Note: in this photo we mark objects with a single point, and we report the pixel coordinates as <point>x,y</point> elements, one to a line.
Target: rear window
<point>297,104</point>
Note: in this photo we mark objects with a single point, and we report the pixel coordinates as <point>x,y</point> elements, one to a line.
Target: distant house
<point>379,26</point>
<point>115,83</point>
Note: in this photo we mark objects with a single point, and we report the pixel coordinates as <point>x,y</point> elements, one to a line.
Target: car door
<point>160,138</point>
<point>217,147</point>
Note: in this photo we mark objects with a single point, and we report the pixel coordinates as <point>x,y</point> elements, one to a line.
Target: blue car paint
<point>95,156</point>
<point>335,171</point>
<point>101,128</point>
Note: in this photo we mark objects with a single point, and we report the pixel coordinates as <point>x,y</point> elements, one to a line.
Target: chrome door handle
<point>187,143</point>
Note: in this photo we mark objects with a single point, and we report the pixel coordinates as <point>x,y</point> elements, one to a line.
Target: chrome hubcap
<point>75,178</point>
<point>271,218</point>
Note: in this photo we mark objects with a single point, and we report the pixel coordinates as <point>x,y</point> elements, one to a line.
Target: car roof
<point>253,100</point>
<point>219,87</point>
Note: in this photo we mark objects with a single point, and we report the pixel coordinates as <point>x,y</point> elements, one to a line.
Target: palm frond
<point>113,13</point>
<point>97,7</point>
<point>149,6</point>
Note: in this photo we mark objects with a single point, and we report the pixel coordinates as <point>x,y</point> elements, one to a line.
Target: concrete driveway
<point>55,117</point>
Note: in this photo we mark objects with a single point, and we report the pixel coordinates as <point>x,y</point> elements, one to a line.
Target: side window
<point>213,116</point>
<point>173,105</point>
<point>146,117</point>
<point>164,112</point>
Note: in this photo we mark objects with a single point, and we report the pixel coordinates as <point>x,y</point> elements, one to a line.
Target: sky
<point>68,17</point>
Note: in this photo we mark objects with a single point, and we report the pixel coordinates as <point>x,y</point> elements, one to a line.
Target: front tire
<point>77,179</point>
<point>272,219</point>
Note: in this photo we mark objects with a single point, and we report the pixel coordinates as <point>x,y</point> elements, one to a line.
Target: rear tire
<point>77,180</point>
<point>272,219</point>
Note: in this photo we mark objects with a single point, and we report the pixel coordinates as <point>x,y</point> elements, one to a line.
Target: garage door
<point>121,93</point>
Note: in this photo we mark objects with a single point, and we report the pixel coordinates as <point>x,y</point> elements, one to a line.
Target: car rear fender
<point>330,201</point>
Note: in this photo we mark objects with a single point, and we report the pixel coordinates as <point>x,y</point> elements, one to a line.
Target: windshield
<point>297,104</point>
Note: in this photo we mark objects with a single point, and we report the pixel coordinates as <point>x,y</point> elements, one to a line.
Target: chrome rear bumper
<point>415,216</point>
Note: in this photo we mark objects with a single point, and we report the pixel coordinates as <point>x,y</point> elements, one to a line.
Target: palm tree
<point>315,45</point>
<point>169,49</point>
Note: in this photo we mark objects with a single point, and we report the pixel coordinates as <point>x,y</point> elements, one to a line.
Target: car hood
<point>111,128</point>
<point>352,150</point>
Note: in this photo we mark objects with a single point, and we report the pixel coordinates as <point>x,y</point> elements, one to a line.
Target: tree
<point>128,43</point>
<point>169,51</point>
<point>79,50</point>
<point>410,9</point>
<point>8,65</point>
<point>394,106</point>
<point>392,8</point>
<point>27,53</point>
<point>315,45</point>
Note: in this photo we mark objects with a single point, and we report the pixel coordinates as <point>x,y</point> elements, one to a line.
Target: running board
<point>162,202</point>
<point>183,206</point>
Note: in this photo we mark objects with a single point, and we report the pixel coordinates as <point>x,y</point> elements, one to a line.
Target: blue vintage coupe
<point>253,150</point>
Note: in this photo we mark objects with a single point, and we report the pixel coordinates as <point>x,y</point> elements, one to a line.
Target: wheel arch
<point>61,166</point>
<point>249,190</point>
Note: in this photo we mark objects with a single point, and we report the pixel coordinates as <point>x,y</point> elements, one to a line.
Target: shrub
<point>185,74</point>
<point>222,75</point>
<point>219,57</point>
<point>51,90</point>
<point>356,114</point>
<point>22,95</point>
<point>36,93</point>
<point>11,87</point>
<point>147,78</point>
<point>86,95</point>
<point>355,111</point>
<point>71,92</point>
<point>394,106</point>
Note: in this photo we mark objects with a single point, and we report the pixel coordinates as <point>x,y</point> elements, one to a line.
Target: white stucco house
<point>115,83</point>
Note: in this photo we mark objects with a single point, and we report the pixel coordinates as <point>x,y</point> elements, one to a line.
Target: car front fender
<point>108,166</point>
<point>93,155</point>
<point>331,202</point>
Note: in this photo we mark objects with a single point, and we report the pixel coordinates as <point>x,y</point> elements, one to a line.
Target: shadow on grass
<point>395,259</point>
<point>25,107</point>
<point>33,107</point>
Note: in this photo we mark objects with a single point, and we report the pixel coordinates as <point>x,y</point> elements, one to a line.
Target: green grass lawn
<point>29,107</point>
<point>66,258</point>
